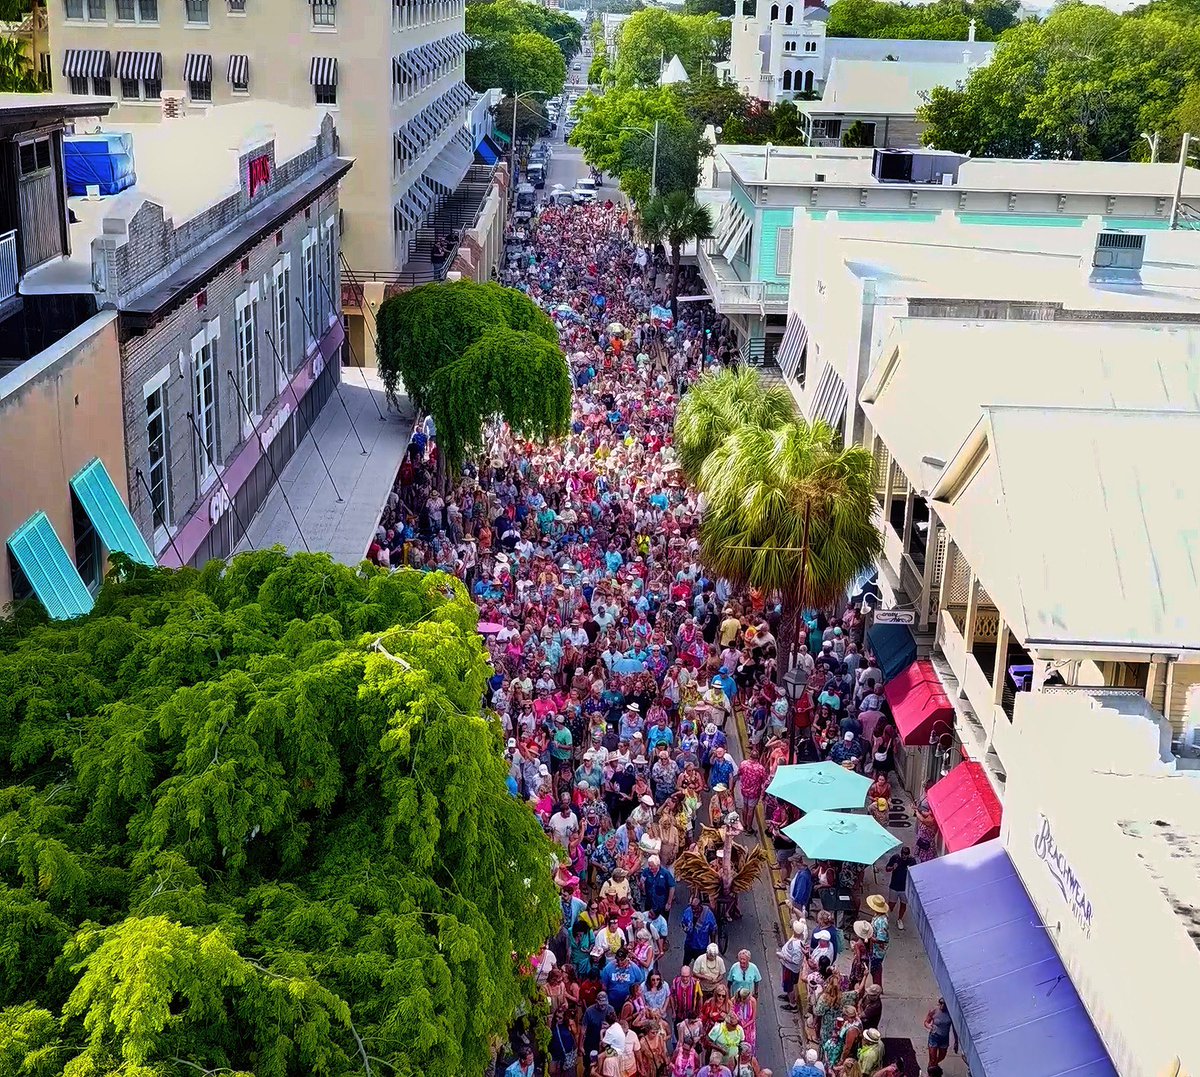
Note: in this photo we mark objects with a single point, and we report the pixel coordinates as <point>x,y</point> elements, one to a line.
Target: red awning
<point>965,807</point>
<point>919,704</point>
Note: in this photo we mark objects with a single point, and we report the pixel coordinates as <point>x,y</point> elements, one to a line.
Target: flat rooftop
<point>882,87</point>
<point>342,528</point>
<point>184,165</point>
<point>800,165</point>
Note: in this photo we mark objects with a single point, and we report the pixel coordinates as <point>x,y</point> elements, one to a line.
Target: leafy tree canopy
<point>759,123</point>
<point>463,350</point>
<point>1083,83</point>
<point>517,63</point>
<point>257,823</point>
<point>507,18</point>
<point>531,119</point>
<point>649,37</point>
<point>942,20</point>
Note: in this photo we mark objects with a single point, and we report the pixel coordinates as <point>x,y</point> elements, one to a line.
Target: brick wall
<point>153,250</point>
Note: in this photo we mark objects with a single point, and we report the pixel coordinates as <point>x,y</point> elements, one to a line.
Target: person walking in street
<point>940,1027</point>
<point>897,869</point>
<point>699,928</point>
<point>880,936</point>
<point>709,968</point>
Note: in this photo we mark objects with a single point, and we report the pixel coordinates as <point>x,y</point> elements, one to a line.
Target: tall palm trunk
<point>675,282</point>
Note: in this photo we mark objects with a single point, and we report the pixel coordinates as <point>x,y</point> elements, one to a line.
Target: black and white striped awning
<point>829,400</point>
<point>139,65</point>
<point>323,71</point>
<point>462,41</point>
<point>791,348</point>
<point>460,94</point>
<point>403,70</point>
<point>406,216</point>
<point>86,63</point>
<point>197,67</point>
<point>239,70</point>
<point>407,142</point>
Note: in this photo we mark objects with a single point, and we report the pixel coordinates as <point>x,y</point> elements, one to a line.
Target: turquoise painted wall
<point>769,223</point>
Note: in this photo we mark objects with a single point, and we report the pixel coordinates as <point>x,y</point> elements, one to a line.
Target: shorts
<point>782,856</point>
<point>896,896</point>
<point>790,980</point>
<point>941,1042</point>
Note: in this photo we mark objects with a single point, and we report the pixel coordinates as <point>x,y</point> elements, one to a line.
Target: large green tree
<point>649,38</point>
<point>517,63</point>
<point>507,18</point>
<point>472,355</point>
<point>255,822</point>
<point>942,20</point>
<point>1083,83</point>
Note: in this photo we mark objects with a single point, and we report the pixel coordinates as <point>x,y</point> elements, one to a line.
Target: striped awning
<point>449,167</point>
<point>462,41</point>
<point>139,65</point>
<point>460,95</point>
<point>86,63</point>
<point>323,71</point>
<point>829,401</point>
<point>239,70</point>
<point>739,229</point>
<point>197,67</point>
<point>406,216</point>
<point>791,348</point>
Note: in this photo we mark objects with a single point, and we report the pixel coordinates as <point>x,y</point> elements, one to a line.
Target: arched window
<point>787,17</point>
<point>774,12</point>
<point>787,80</point>
<point>808,81</point>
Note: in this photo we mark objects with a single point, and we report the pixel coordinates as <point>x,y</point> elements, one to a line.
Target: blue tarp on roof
<point>1013,1005</point>
<point>100,500</point>
<point>894,646</point>
<point>103,160</point>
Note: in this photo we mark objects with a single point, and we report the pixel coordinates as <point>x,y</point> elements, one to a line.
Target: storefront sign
<point>277,423</point>
<point>218,505</point>
<point>895,617</point>
<point>1069,886</point>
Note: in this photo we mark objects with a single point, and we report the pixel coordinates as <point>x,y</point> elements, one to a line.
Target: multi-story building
<point>393,73</point>
<point>763,197</point>
<point>782,51</point>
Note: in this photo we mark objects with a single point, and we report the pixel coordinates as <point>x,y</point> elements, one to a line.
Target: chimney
<point>971,31</point>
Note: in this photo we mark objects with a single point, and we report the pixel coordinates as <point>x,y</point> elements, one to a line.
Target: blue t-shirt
<point>698,933</point>
<point>618,982</point>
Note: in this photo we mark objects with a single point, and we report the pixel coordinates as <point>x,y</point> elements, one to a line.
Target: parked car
<point>536,174</point>
<point>560,196</point>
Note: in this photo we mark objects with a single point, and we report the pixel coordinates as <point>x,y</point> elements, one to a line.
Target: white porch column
<point>932,538</point>
<point>949,567</point>
<point>889,485</point>
<point>1000,667</point>
<point>906,530</point>
<point>969,626</point>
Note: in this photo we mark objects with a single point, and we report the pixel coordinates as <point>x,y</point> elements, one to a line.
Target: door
<point>39,194</point>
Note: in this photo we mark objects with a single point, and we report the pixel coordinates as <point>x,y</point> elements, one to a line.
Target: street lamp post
<point>654,158</point>
<point>512,167</point>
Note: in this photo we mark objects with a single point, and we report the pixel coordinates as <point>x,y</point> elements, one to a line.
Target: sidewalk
<point>909,987</point>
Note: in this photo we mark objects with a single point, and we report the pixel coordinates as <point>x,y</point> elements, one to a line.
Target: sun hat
<point>647,800</point>
<point>872,1035</point>
<point>862,928</point>
<point>876,903</point>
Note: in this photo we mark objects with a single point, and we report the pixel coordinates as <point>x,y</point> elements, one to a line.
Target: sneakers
<point>900,924</point>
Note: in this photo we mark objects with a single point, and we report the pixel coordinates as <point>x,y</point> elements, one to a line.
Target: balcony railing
<point>9,273</point>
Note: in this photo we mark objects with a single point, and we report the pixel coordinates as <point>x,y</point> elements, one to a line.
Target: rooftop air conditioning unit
<point>1119,250</point>
<point>174,105</point>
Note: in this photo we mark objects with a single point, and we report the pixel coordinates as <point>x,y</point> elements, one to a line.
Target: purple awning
<point>1011,999</point>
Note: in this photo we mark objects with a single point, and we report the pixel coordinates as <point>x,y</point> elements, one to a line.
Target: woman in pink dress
<point>745,1005</point>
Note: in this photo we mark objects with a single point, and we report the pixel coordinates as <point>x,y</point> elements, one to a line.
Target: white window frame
<point>322,26</point>
<point>245,338</point>
<point>329,293</point>
<point>138,18</point>
<point>783,252</point>
<point>281,316</point>
<point>156,387</point>
<point>309,249</point>
<point>205,438</point>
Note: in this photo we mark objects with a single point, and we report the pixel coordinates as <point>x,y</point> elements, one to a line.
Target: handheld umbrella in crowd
<point>819,786</point>
<point>831,835</point>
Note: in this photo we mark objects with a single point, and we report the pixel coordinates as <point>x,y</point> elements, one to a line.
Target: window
<point>200,91</point>
<point>323,12</point>
<point>88,556</point>
<point>102,87</point>
<point>131,88</point>
<point>79,84</point>
<point>237,7</point>
<point>73,8</point>
<point>787,15</point>
<point>22,589</point>
<point>246,339</point>
<point>308,275</point>
<point>204,406</point>
<point>808,81</point>
<point>783,252</point>
<point>35,156</point>
<point>137,10</point>
<point>196,11</point>
<point>151,89</point>
<point>325,95</point>
<point>158,470</point>
<point>282,310</point>
<point>810,46</point>
<point>328,285</point>
<point>787,80</point>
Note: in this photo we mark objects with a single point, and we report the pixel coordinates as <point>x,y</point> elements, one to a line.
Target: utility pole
<point>1183,160</point>
<point>654,164</point>
<point>1152,140</point>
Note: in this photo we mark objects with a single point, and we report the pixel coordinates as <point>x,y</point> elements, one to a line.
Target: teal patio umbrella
<point>819,786</point>
<point>831,835</point>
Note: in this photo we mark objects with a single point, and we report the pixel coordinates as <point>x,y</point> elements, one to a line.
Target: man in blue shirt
<point>619,976</point>
<point>658,886</point>
<point>802,888</point>
<point>699,929</point>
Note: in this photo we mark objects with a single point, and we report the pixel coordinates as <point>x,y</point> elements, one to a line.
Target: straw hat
<point>877,904</point>
<point>862,928</point>
<point>872,1035</point>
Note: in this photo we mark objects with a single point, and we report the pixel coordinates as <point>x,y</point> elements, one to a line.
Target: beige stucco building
<point>392,75</point>
<point>58,413</point>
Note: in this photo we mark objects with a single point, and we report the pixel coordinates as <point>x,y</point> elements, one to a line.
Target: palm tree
<point>673,220</point>
<point>718,404</point>
<point>789,512</point>
<point>16,72</point>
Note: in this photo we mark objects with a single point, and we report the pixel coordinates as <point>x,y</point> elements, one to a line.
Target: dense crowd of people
<point>622,672</point>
